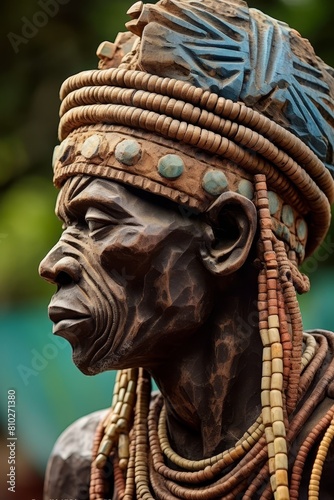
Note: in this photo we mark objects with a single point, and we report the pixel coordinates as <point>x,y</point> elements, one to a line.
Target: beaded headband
<point>186,143</point>
<point>185,176</point>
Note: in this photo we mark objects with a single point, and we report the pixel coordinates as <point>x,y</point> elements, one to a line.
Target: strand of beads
<point>311,401</point>
<point>129,492</point>
<point>310,371</point>
<point>289,277</point>
<point>204,475</point>
<point>304,451</point>
<point>322,453</point>
<point>272,374</point>
<point>119,482</point>
<point>118,422</point>
<point>97,485</point>
<point>315,397</point>
<point>309,351</point>
<point>285,334</point>
<point>212,465</point>
<point>141,473</point>
<point>311,356</point>
<point>141,465</point>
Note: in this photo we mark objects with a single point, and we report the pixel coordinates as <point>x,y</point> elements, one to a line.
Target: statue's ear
<point>231,226</point>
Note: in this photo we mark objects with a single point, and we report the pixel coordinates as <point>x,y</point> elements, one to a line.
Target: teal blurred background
<point>38,51</point>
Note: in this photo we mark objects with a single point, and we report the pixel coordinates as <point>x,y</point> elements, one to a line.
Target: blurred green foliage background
<point>43,42</point>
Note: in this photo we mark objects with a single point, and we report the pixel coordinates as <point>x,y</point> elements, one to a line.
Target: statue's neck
<point>212,389</point>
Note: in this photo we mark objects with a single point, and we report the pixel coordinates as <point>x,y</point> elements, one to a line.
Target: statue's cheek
<point>131,247</point>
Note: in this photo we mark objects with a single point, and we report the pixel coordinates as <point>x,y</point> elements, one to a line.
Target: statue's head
<point>196,158</point>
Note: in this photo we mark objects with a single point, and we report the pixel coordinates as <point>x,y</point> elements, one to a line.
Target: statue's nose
<point>58,268</point>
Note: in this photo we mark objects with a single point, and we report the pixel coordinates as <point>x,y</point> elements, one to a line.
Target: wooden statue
<point>195,177</point>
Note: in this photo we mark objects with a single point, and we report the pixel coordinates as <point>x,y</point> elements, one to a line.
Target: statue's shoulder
<point>68,469</point>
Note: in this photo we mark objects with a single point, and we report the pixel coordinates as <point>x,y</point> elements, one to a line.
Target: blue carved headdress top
<point>244,55</point>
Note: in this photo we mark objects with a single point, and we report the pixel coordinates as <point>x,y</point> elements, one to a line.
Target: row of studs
<point>171,166</point>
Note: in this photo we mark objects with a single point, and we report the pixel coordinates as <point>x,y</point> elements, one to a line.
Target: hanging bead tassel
<point>119,420</point>
<point>141,471</point>
<point>112,435</point>
<point>97,482</point>
<point>290,278</point>
<point>272,398</point>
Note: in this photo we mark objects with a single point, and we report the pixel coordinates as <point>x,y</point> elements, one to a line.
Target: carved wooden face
<point>131,285</point>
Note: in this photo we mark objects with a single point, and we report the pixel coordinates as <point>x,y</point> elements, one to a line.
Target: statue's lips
<point>65,319</point>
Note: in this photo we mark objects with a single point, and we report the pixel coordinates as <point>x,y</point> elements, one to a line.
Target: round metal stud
<point>64,150</point>
<point>90,147</point>
<point>246,188</point>
<point>215,182</point>
<point>128,152</point>
<point>287,215</point>
<point>301,229</point>
<point>274,202</point>
<point>171,166</point>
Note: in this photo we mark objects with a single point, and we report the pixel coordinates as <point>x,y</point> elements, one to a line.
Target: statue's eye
<point>97,220</point>
<point>94,225</point>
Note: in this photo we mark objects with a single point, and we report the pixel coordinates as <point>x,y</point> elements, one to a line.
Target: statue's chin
<point>114,355</point>
<point>83,359</point>
<point>88,366</point>
<point>93,351</point>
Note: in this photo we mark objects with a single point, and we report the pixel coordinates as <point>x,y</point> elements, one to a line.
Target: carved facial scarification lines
<point>100,299</point>
<point>102,294</point>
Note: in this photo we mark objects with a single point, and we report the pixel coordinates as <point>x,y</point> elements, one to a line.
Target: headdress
<point>198,98</point>
<point>232,94</point>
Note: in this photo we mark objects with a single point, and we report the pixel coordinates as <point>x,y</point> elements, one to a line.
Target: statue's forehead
<point>79,193</point>
<point>86,191</point>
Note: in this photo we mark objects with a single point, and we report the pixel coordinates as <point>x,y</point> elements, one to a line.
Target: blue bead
<point>90,147</point>
<point>301,229</point>
<point>64,151</point>
<point>215,182</point>
<point>171,166</point>
<point>287,215</point>
<point>246,188</point>
<point>274,203</point>
<point>128,152</point>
